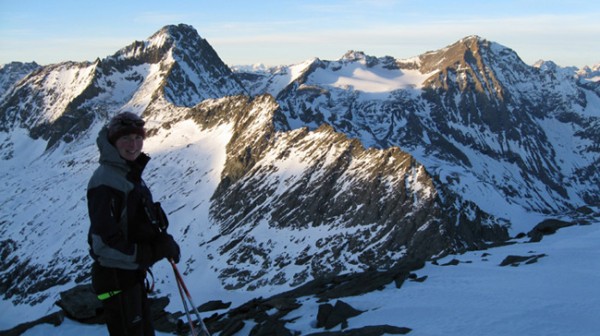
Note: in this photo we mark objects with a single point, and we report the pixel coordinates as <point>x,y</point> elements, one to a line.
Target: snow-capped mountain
<point>486,125</point>
<point>13,72</point>
<point>62,100</point>
<point>591,74</point>
<point>274,177</point>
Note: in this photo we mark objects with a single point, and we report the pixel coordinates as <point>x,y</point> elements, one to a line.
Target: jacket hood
<point>108,153</point>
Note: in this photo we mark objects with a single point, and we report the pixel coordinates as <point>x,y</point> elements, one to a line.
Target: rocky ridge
<point>474,103</point>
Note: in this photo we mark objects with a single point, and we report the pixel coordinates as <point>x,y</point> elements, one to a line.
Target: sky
<point>282,32</point>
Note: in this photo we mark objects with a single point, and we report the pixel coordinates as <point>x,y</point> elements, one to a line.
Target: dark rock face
<point>384,197</point>
<point>546,227</point>
<point>329,316</point>
<point>513,260</point>
<point>13,72</point>
<point>325,289</point>
<point>21,278</point>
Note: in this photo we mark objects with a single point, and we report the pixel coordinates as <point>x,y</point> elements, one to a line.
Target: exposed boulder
<point>367,331</point>
<point>325,289</point>
<point>81,304</point>
<point>546,227</point>
<point>514,260</point>
<point>330,316</point>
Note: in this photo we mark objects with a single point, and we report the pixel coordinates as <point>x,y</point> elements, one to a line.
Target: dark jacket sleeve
<point>107,236</point>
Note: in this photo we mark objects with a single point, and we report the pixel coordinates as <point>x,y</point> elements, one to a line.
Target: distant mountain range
<point>276,176</point>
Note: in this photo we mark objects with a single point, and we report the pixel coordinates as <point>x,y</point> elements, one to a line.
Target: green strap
<point>108,295</point>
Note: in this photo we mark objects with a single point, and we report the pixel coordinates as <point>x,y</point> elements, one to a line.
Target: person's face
<point>130,146</point>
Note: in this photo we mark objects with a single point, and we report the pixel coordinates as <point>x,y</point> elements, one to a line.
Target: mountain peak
<point>155,47</point>
<point>174,33</point>
<point>477,58</point>
<point>358,56</point>
<point>353,55</point>
<point>195,70</point>
<point>472,38</point>
<point>455,53</point>
<point>178,29</point>
<point>546,65</point>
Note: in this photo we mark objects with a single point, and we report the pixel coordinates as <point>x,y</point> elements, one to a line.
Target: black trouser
<point>128,313</point>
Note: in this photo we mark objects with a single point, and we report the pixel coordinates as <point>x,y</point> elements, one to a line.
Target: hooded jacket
<point>120,234</point>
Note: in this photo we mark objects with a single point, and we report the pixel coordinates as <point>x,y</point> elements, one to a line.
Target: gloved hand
<point>165,247</point>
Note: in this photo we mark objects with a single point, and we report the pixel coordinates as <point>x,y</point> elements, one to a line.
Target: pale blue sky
<point>285,32</point>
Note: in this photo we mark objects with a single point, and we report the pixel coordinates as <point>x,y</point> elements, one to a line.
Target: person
<point>127,233</point>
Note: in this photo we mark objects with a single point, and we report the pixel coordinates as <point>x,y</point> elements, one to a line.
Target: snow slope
<point>558,295</point>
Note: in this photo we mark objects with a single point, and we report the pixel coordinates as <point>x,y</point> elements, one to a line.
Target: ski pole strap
<point>108,295</point>
<point>149,284</point>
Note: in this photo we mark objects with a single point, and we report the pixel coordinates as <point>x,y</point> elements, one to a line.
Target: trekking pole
<point>182,285</point>
<point>185,307</point>
<point>162,224</point>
